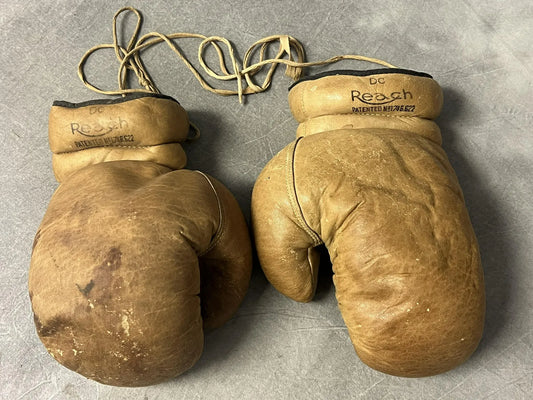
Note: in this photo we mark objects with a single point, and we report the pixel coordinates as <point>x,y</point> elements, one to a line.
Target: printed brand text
<point>98,129</point>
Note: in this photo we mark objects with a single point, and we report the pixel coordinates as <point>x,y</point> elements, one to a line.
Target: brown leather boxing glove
<point>135,256</point>
<point>367,176</point>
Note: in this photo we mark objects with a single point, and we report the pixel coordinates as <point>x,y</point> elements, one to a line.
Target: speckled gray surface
<point>274,348</point>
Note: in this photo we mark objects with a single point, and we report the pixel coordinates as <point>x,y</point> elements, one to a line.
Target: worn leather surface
<point>368,177</point>
<point>137,127</point>
<point>133,259</point>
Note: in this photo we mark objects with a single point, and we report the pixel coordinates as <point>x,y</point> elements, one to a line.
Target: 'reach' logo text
<point>98,129</point>
<point>378,99</point>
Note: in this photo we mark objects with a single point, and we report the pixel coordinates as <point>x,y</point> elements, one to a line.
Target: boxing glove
<point>135,255</point>
<point>368,178</point>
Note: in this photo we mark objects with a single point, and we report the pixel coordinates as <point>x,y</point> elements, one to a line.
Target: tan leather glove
<point>135,255</point>
<point>367,176</point>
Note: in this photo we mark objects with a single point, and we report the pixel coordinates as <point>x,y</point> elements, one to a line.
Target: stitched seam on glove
<point>118,147</point>
<point>293,197</point>
<point>221,220</point>
<point>367,114</point>
<point>387,115</point>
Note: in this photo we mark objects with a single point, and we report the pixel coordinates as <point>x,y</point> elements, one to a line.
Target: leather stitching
<point>368,114</point>
<point>293,197</point>
<point>116,146</point>
<point>222,221</point>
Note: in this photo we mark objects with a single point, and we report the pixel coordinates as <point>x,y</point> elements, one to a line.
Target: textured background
<point>274,348</point>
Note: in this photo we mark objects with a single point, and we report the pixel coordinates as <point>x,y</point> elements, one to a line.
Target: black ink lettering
<point>377,98</point>
<point>74,127</point>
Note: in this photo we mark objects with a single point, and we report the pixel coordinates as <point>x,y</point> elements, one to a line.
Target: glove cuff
<point>367,99</point>
<point>145,127</point>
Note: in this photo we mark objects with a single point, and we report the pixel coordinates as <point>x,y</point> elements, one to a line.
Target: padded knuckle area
<point>115,280</point>
<point>373,181</point>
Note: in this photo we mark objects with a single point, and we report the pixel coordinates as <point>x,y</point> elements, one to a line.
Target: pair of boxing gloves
<point>137,256</point>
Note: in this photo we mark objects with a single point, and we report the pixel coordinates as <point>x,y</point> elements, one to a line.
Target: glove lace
<point>290,53</point>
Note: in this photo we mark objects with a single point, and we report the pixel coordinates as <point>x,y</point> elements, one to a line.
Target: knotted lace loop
<point>290,53</point>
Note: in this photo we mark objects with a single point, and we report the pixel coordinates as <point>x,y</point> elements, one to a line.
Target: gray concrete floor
<point>274,348</point>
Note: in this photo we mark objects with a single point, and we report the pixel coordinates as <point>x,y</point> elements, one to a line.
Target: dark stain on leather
<point>102,288</point>
<point>113,260</point>
<point>86,289</point>
<point>52,327</point>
